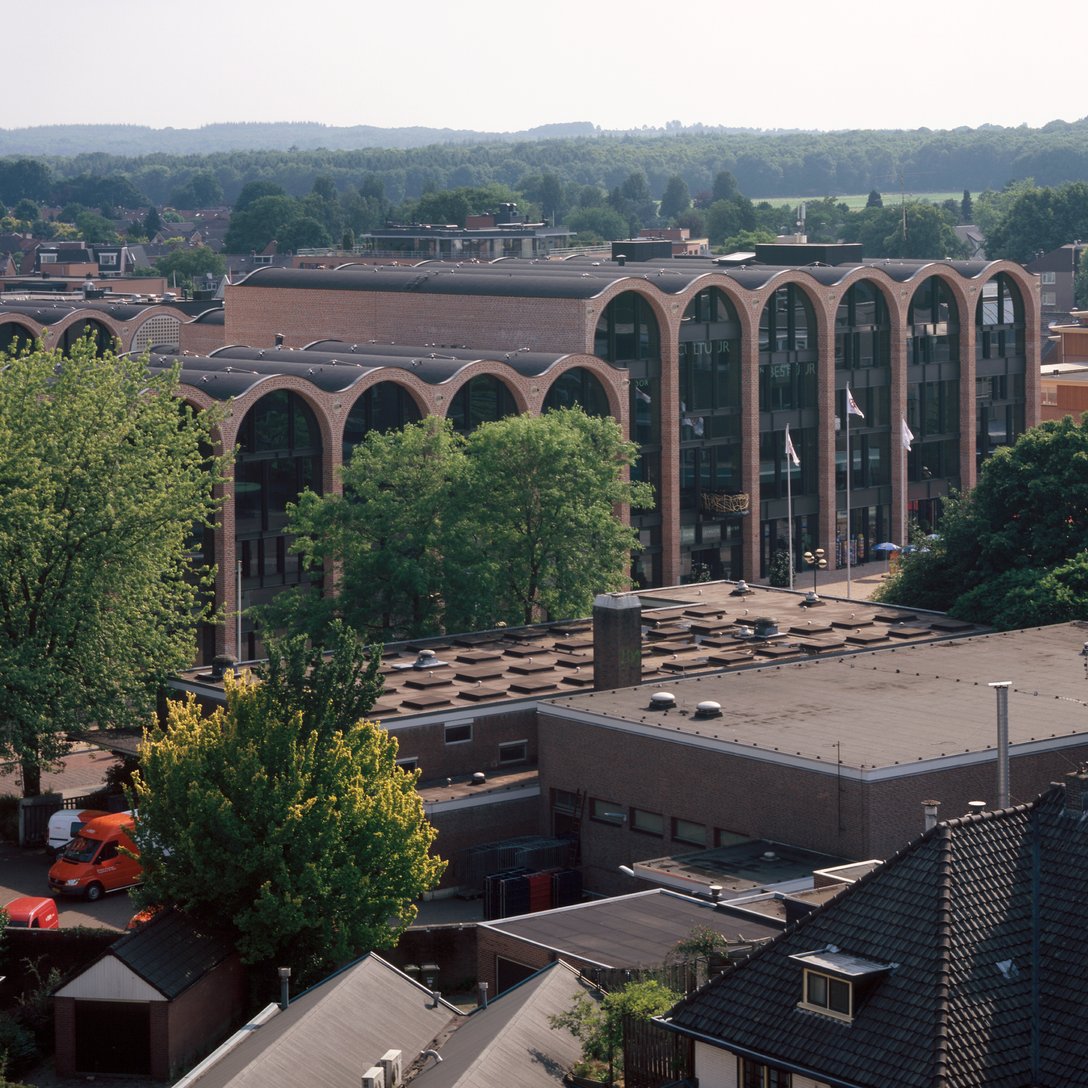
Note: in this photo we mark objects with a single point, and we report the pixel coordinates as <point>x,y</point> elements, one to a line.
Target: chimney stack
<point>1076,791</point>
<point>931,808</point>
<point>617,641</point>
<point>285,986</point>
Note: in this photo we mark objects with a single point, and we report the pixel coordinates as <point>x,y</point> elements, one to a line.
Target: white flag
<point>852,408</point>
<point>906,436</point>
<point>791,453</point>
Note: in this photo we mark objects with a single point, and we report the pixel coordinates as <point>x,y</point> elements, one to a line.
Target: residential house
<point>959,962</point>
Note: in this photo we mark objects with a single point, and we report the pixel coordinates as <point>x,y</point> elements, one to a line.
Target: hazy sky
<point>481,64</point>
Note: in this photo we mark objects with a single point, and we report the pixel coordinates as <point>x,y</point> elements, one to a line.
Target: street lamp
<point>817,562</point>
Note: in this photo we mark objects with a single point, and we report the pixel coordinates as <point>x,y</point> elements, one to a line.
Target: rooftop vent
<point>662,700</point>
<point>708,709</point>
<point>478,778</point>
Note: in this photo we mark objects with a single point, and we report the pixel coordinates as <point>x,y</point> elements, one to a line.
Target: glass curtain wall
<point>863,362</point>
<point>933,399</point>
<point>1000,366</point>
<point>787,397</point>
<point>628,335</point>
<point>710,504</point>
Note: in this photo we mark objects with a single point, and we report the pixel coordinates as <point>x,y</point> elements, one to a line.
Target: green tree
<point>26,210</point>
<point>188,264</point>
<point>104,475</point>
<point>386,531</point>
<point>1014,551</point>
<point>95,228</point>
<point>600,224</point>
<point>917,230</point>
<point>328,843</point>
<point>536,535</point>
<point>875,199</point>
<point>676,199</point>
<point>967,209</point>
<point>263,221</point>
<point>202,190</point>
<point>599,1026</point>
<point>152,222</point>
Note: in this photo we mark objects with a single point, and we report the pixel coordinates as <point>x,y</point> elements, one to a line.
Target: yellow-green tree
<point>302,837</point>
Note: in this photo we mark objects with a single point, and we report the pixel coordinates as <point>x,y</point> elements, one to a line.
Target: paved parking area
<point>24,872</point>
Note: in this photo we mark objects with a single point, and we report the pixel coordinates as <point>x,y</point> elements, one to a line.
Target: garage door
<point>113,1037</point>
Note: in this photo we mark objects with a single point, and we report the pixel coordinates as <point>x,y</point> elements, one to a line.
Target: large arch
<point>279,454</point>
<point>710,422</point>
<point>578,385</point>
<point>1001,370</point>
<point>70,332</point>
<point>934,394</point>
<point>17,335</point>
<point>384,406</point>
<point>629,333</point>
<point>482,398</point>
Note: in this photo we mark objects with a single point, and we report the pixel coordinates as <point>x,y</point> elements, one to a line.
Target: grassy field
<point>858,200</point>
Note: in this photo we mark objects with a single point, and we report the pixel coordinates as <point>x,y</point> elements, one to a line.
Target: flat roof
<point>875,714</point>
<point>637,930</point>
<point>687,630</point>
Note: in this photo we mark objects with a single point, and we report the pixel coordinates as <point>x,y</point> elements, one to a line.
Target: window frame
<point>509,745</point>
<point>677,836</point>
<point>457,727</point>
<point>830,982</point>
<point>611,813</point>
<point>634,816</point>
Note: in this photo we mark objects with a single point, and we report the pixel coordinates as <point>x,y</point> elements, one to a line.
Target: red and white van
<point>32,912</point>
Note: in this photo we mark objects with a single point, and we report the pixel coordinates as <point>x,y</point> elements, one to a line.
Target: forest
<point>1019,184</point>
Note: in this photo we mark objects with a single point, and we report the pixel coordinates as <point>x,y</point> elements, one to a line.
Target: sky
<point>496,67</point>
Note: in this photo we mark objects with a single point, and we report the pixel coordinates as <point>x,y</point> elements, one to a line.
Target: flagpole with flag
<point>792,462</point>
<point>852,409</point>
<point>906,437</point>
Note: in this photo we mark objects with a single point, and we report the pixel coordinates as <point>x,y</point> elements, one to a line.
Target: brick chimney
<point>617,641</point>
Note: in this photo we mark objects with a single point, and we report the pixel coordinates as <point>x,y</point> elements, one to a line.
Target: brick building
<point>711,364</point>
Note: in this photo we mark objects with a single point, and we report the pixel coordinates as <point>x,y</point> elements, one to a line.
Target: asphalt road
<point>24,872</point>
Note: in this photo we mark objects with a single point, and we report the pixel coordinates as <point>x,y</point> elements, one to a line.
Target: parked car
<point>32,912</point>
<point>66,824</point>
<point>101,858</point>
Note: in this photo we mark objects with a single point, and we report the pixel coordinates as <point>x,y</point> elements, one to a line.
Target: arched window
<point>279,457</point>
<point>1000,365</point>
<point>384,407</point>
<point>578,386</point>
<point>483,399</point>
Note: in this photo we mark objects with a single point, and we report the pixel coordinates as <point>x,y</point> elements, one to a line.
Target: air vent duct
<point>662,700</point>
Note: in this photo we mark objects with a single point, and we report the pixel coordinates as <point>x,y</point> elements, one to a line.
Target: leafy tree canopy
<point>103,474</point>
<point>433,531</point>
<point>321,839</point>
<point>1013,552</point>
<point>189,263</point>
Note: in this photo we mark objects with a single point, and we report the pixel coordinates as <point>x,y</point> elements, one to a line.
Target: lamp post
<point>817,562</point>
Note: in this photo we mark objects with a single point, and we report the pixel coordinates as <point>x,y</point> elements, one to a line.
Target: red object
<point>33,912</point>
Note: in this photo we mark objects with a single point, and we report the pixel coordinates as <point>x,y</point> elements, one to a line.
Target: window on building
<point>409,765</point>
<point>1050,299</point>
<point>564,800</point>
<point>513,751</point>
<point>1048,277</point>
<point>758,1075</point>
<point>606,812</point>
<point>649,823</point>
<point>458,733</point>
<point>688,831</point>
<point>824,993</point>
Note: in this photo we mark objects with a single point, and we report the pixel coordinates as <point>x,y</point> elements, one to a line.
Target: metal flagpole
<point>848,583</point>
<point>852,409</point>
<point>792,461</point>
<point>906,438</point>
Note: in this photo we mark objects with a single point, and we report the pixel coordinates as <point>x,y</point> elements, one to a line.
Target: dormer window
<point>825,993</point>
<point>834,983</point>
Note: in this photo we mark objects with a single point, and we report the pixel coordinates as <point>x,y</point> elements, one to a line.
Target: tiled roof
<point>982,918</point>
<point>170,952</point>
